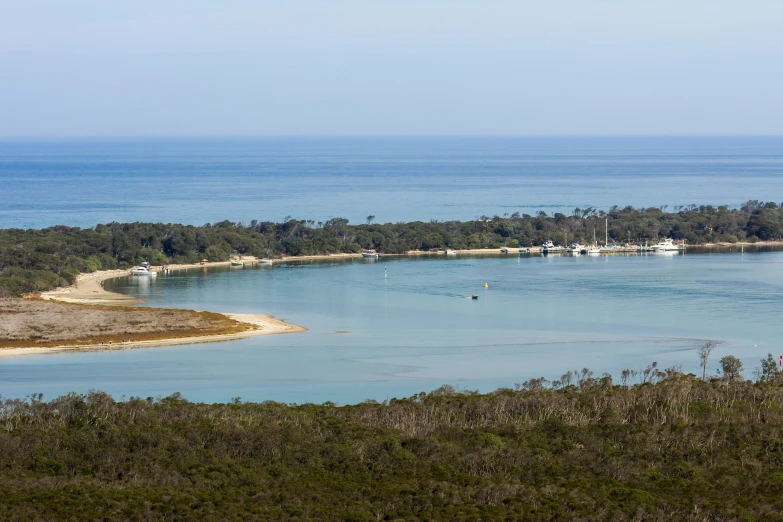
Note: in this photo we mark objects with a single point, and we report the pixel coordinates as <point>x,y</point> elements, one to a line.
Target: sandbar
<point>263,325</point>
<point>88,289</point>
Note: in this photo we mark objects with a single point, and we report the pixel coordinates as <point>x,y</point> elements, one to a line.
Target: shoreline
<point>88,288</point>
<point>263,324</point>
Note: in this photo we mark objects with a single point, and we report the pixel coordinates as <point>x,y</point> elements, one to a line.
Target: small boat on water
<point>549,247</point>
<point>450,252</point>
<point>474,297</point>
<point>591,250</point>
<point>237,263</point>
<point>143,270</point>
<point>667,245</point>
<point>264,261</point>
<point>575,248</point>
<point>370,254</point>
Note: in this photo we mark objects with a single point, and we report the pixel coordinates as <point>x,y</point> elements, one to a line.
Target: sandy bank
<point>88,288</point>
<point>262,325</point>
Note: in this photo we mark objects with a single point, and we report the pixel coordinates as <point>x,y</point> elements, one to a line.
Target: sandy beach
<point>263,325</point>
<point>88,289</point>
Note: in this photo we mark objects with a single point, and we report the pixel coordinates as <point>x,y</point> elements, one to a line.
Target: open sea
<point>371,337</point>
<point>83,183</point>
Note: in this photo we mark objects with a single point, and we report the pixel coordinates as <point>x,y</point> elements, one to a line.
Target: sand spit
<point>263,325</point>
<point>88,289</point>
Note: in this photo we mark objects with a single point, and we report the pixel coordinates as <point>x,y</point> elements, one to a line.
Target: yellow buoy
<point>486,285</point>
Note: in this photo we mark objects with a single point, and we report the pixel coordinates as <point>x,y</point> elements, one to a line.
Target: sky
<point>390,67</point>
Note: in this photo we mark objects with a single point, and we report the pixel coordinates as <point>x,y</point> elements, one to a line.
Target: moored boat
<point>549,247</point>
<point>142,271</point>
<point>370,254</point>
<point>667,245</point>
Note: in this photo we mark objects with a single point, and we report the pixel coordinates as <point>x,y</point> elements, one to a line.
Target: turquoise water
<point>372,337</point>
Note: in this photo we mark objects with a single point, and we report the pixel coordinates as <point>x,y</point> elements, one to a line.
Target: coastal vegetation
<point>34,322</point>
<point>37,260</point>
<point>655,445</point>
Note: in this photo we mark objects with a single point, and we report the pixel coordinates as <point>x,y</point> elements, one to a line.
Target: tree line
<point>37,260</point>
<point>655,445</point>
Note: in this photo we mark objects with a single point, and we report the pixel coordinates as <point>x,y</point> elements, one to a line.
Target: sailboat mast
<point>606,241</point>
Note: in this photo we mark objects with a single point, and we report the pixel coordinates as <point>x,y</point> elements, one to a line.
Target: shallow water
<point>372,337</point>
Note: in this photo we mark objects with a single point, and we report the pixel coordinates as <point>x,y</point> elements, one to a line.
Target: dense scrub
<point>25,322</point>
<point>37,260</point>
<point>586,449</point>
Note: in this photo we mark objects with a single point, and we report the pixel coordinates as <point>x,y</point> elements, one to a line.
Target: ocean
<point>376,337</point>
<point>196,181</point>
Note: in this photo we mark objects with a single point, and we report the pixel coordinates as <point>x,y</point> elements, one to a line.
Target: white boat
<point>450,252</point>
<point>591,250</point>
<point>142,271</point>
<point>370,254</point>
<point>667,245</point>
<point>264,261</point>
<point>550,247</point>
<point>576,248</point>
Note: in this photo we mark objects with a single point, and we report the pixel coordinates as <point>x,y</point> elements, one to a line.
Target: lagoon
<point>371,337</point>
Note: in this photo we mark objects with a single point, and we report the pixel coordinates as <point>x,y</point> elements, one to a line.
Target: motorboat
<point>591,250</point>
<point>142,271</point>
<point>667,245</point>
<point>575,248</point>
<point>474,297</point>
<point>550,247</point>
<point>264,261</point>
<point>370,254</point>
<point>450,252</point>
<point>237,263</point>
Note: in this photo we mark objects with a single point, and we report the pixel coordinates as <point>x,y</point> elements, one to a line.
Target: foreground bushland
<point>672,448</point>
<point>38,260</point>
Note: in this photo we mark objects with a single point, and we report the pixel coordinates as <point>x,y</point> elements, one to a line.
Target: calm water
<point>82,183</point>
<point>371,337</point>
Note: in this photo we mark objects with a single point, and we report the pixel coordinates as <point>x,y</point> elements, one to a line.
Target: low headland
<point>33,261</point>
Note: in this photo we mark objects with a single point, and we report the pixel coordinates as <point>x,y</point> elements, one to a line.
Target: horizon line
<point>370,136</point>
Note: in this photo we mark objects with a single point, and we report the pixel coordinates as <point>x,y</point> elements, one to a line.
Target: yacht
<point>550,247</point>
<point>667,245</point>
<point>370,254</point>
<point>591,250</point>
<point>576,248</point>
<point>450,252</point>
<point>142,271</point>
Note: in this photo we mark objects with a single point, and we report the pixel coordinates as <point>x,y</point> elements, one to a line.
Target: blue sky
<point>390,67</point>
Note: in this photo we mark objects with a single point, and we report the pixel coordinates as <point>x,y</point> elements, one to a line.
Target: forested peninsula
<point>38,260</point>
<point>657,445</point>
